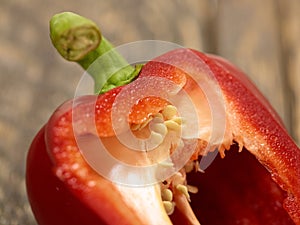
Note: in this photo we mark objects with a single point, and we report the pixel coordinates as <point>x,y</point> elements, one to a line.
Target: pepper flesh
<point>252,124</point>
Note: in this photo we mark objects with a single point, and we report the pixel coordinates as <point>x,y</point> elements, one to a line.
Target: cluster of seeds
<point>159,126</point>
<point>173,186</point>
<point>169,117</point>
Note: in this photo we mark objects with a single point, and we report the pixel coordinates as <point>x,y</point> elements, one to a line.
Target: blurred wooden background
<point>261,37</point>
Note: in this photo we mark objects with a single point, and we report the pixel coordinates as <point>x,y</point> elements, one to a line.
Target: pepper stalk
<point>79,39</point>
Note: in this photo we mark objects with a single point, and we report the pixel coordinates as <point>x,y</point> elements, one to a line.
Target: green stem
<point>79,39</point>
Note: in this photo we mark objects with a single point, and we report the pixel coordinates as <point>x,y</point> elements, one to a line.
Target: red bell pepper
<point>254,180</point>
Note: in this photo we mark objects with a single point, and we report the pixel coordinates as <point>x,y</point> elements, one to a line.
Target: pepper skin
<point>59,193</point>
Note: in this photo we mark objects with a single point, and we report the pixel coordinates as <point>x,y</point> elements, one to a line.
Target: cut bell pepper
<point>63,188</point>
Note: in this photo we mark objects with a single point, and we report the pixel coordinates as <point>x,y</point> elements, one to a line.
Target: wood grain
<point>249,37</point>
<point>289,12</point>
<point>261,37</point>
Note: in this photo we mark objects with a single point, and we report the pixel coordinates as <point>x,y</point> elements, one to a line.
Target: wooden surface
<point>261,37</point>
